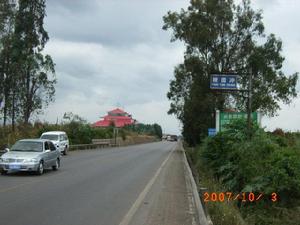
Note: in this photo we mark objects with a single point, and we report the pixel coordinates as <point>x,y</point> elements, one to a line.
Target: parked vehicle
<point>59,138</point>
<point>30,155</point>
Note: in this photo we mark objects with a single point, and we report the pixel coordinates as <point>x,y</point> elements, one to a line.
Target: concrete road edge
<point>201,214</point>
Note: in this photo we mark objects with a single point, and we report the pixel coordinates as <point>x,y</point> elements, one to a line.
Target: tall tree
<point>35,70</point>
<point>7,13</point>
<point>223,37</point>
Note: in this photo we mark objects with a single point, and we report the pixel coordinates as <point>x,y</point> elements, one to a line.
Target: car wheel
<point>40,169</point>
<point>65,152</point>
<point>3,172</point>
<point>57,165</point>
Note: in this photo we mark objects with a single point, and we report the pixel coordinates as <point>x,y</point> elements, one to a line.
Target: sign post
<point>228,82</point>
<point>249,108</point>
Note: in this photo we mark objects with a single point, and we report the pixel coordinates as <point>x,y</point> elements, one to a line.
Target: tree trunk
<point>27,100</point>
<point>6,103</point>
<point>13,112</point>
<point>4,113</point>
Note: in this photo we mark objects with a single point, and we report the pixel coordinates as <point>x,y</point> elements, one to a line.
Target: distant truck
<point>172,138</point>
<point>164,137</point>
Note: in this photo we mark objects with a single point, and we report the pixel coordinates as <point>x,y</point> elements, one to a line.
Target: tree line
<point>150,129</point>
<point>27,74</point>
<point>78,130</point>
<point>221,36</point>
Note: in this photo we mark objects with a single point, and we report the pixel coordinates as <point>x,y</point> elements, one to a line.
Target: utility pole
<point>249,108</point>
<point>116,133</point>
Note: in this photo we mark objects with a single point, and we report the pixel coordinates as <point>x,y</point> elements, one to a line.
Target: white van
<point>59,139</point>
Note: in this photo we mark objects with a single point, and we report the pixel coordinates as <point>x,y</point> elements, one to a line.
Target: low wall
<point>102,143</point>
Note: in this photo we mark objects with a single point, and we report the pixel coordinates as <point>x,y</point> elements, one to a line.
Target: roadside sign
<point>212,132</point>
<point>223,81</point>
<point>227,117</point>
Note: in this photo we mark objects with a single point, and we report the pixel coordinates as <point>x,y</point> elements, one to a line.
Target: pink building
<point>118,117</point>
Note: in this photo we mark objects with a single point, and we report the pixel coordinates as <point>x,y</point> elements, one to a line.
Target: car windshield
<point>52,137</point>
<point>28,146</point>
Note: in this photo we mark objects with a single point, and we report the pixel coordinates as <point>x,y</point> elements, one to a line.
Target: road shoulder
<point>170,199</point>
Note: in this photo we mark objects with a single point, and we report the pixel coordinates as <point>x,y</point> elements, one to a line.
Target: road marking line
<point>128,217</point>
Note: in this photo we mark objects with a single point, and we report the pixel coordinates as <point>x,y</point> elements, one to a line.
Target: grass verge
<point>221,213</point>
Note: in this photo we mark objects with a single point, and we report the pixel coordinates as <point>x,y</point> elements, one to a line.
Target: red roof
<point>117,119</point>
<point>117,110</point>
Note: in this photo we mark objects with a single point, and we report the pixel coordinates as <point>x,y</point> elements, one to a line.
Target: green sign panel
<point>227,117</point>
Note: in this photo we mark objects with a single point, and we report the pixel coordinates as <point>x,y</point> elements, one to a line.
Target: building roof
<point>117,110</point>
<point>119,117</point>
<point>111,117</point>
<point>107,123</point>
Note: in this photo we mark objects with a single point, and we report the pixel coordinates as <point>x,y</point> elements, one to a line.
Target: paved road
<point>91,188</point>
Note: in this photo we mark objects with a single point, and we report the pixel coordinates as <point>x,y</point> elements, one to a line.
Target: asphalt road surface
<point>93,187</point>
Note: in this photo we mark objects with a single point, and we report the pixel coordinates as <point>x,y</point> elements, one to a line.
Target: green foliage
<point>223,213</point>
<point>150,129</point>
<point>22,62</point>
<point>157,130</point>
<point>77,129</point>
<point>103,133</point>
<point>35,70</point>
<point>260,165</point>
<point>221,36</point>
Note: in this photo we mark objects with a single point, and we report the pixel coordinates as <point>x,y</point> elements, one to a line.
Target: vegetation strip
<point>201,214</point>
<point>262,173</point>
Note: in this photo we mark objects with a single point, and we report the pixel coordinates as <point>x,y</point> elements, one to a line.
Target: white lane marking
<point>128,217</point>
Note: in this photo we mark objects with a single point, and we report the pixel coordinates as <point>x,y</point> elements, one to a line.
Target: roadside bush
<point>77,129</point>
<point>261,165</point>
<point>148,129</point>
<point>267,163</point>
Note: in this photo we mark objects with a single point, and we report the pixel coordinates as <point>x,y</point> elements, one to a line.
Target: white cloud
<point>156,112</point>
<point>114,53</point>
<point>93,79</point>
<point>288,119</point>
<point>281,17</point>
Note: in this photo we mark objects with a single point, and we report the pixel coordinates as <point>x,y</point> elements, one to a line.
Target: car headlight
<point>34,160</point>
<point>4,160</point>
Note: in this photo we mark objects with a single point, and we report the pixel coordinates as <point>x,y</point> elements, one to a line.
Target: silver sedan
<point>30,155</point>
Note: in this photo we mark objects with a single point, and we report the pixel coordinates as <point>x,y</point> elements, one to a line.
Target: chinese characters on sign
<point>227,117</point>
<point>223,81</point>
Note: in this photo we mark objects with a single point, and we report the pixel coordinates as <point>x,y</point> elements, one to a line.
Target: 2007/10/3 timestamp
<point>243,196</point>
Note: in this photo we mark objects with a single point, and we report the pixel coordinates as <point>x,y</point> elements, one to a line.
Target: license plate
<point>14,167</point>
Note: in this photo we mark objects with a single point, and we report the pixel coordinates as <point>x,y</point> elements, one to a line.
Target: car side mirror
<point>47,151</point>
<point>6,149</point>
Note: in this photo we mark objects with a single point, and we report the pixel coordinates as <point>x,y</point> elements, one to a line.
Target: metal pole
<point>217,121</point>
<point>115,136</point>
